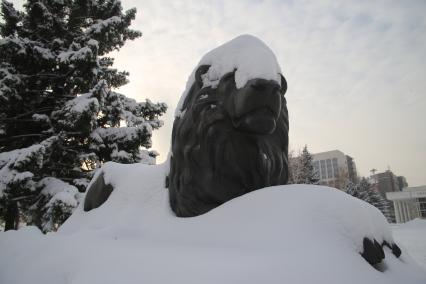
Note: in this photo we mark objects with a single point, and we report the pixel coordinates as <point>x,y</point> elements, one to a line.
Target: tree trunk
<point>12,217</point>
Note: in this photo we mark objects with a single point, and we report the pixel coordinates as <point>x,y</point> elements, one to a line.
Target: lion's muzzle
<point>256,107</point>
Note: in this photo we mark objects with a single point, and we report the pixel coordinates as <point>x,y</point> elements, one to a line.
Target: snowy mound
<point>414,235</point>
<point>281,234</point>
<point>247,55</point>
<point>416,224</point>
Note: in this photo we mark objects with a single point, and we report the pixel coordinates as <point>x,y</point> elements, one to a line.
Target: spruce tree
<point>59,116</point>
<point>364,191</point>
<point>301,169</point>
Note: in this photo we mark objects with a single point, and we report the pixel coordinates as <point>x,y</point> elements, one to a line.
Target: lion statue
<point>227,141</point>
<point>230,137</point>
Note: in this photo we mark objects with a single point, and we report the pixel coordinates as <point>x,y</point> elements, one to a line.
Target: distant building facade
<point>386,182</point>
<point>334,168</point>
<point>410,203</point>
<point>402,182</point>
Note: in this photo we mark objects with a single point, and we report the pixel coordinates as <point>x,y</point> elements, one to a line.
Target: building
<point>402,182</point>
<point>386,182</point>
<point>334,168</point>
<point>410,203</point>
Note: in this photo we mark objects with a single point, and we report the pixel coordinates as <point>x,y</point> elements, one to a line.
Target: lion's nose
<point>256,106</point>
<point>257,94</point>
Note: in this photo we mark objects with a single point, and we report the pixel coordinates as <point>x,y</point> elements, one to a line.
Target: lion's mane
<point>211,161</point>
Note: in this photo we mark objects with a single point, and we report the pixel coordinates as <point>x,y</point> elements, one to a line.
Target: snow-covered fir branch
<point>60,118</point>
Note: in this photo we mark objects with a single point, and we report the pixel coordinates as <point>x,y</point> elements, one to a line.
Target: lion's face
<point>256,107</point>
<point>228,142</point>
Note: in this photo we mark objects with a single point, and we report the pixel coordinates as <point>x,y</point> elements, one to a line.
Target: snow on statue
<point>277,234</point>
<point>230,134</point>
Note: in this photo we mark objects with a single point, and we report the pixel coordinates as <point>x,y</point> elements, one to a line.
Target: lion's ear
<point>283,84</point>
<point>200,71</point>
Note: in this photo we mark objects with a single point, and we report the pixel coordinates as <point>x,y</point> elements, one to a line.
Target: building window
<point>422,207</point>
<point>329,171</point>
<point>335,168</point>
<point>323,172</point>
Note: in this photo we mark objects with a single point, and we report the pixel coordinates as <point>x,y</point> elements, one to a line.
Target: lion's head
<point>228,141</point>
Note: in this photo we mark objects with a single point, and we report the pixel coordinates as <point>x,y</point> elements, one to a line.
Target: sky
<point>356,70</point>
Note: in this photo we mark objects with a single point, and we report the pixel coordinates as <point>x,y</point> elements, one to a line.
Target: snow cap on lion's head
<point>230,134</point>
<point>250,58</point>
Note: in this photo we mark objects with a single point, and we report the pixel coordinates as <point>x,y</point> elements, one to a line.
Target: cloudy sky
<point>356,70</point>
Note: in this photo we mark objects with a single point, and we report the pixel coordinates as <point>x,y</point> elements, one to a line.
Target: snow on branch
<point>13,165</point>
<point>8,82</point>
<point>70,56</point>
<point>134,113</point>
<point>101,25</point>
<point>61,200</point>
<point>121,144</point>
<point>20,158</point>
<point>58,190</point>
<point>78,114</point>
<point>121,135</point>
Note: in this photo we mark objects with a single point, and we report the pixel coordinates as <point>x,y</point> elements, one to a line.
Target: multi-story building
<point>409,203</point>
<point>402,182</point>
<point>385,182</point>
<point>334,168</point>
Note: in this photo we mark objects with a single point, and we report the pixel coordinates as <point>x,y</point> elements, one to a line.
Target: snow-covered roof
<point>250,58</point>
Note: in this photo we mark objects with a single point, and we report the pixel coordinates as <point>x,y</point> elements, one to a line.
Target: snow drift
<point>281,234</point>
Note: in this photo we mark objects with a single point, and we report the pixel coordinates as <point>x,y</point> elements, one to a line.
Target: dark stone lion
<point>228,142</point>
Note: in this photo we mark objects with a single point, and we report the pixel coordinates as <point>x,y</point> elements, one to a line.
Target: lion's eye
<point>228,76</point>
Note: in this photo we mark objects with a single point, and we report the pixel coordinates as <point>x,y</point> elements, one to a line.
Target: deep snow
<point>411,236</point>
<point>281,234</point>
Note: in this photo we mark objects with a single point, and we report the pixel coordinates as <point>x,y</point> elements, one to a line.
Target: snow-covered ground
<point>411,237</point>
<point>282,234</point>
